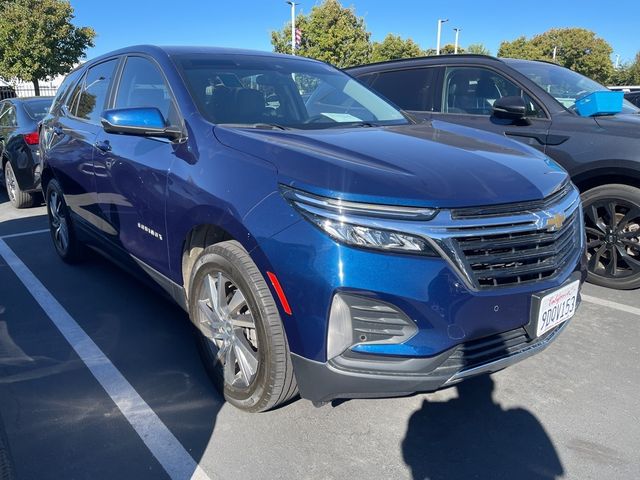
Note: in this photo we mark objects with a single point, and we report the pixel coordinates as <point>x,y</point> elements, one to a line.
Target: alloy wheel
<point>10,182</point>
<point>229,326</point>
<point>58,221</point>
<point>613,238</point>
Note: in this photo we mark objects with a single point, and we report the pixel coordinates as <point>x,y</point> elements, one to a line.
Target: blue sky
<point>247,23</point>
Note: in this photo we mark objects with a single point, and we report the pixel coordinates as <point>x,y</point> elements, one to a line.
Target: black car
<point>19,138</point>
<point>633,97</point>
<point>535,102</point>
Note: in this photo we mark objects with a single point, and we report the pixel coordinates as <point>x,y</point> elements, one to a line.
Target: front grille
<point>521,257</point>
<point>476,353</point>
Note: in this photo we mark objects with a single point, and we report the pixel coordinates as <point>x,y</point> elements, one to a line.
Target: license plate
<point>557,307</point>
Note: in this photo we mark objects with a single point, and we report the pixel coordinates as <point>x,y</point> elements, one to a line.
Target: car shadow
<point>473,436</point>
<point>53,408</point>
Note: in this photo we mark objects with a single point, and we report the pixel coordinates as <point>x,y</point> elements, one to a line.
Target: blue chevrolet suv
<point>321,240</point>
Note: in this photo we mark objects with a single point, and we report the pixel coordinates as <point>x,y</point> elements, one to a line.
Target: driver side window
<point>473,91</point>
<point>142,85</point>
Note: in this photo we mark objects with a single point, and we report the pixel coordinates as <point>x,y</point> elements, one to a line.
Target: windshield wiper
<point>265,126</point>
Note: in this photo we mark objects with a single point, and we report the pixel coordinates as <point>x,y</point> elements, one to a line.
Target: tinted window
<point>63,91</point>
<point>8,116</point>
<point>409,89</point>
<point>473,91</point>
<point>295,93</point>
<point>142,85</point>
<point>37,109</point>
<point>92,99</point>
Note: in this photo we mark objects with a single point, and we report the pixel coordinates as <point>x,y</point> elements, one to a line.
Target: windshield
<point>248,90</point>
<point>37,109</point>
<point>565,85</point>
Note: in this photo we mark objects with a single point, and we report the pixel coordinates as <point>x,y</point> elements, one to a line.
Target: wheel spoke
<point>247,359</point>
<point>595,258</point>
<point>611,210</point>
<point>612,266</point>
<point>64,236</point>
<point>592,214</point>
<point>222,293</point>
<point>632,214</point>
<point>236,302</point>
<point>229,365</point>
<point>243,321</point>
<point>210,315</point>
<point>632,263</point>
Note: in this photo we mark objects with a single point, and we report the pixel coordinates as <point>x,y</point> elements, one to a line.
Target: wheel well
<point>197,240</point>
<point>592,181</point>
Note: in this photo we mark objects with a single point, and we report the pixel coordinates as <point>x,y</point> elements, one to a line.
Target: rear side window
<point>8,116</point>
<point>93,94</point>
<point>411,89</point>
<point>142,85</point>
<point>63,91</point>
<point>37,109</point>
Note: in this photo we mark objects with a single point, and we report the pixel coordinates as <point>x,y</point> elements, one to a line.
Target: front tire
<point>17,197</point>
<point>240,334</point>
<point>612,221</point>
<point>61,226</point>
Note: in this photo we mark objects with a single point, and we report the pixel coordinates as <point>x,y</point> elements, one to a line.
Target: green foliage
<point>394,47</point>
<point>449,48</point>
<point>38,40</point>
<point>330,33</point>
<point>576,48</point>
<point>478,49</point>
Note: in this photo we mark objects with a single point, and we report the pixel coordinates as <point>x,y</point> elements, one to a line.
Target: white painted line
<point>32,232</point>
<point>164,446</point>
<point>608,303</point>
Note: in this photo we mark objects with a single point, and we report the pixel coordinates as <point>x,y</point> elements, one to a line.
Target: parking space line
<point>164,446</point>
<point>608,303</point>
<point>32,232</point>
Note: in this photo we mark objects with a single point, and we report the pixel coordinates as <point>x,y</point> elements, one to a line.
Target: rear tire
<point>61,226</point>
<point>612,220</point>
<point>240,334</point>
<point>17,197</point>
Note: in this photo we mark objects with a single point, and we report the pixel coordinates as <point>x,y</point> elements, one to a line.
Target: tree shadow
<point>473,436</point>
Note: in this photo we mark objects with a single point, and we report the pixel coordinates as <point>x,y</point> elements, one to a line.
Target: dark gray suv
<point>534,102</point>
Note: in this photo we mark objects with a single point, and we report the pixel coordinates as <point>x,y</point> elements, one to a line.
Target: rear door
<point>70,138</point>
<point>132,170</point>
<point>467,97</point>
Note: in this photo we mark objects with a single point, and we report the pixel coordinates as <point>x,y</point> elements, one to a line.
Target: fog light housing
<point>356,320</point>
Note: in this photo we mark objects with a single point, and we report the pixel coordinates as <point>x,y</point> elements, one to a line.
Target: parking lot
<point>140,405</point>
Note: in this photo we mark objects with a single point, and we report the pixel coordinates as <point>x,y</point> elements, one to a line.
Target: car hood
<point>622,124</point>
<point>435,164</point>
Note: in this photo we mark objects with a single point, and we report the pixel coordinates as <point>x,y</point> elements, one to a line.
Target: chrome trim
<point>345,207</point>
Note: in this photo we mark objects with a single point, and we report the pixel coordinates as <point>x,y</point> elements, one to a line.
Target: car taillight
<point>31,138</point>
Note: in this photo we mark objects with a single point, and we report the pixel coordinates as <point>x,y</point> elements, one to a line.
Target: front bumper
<point>366,376</point>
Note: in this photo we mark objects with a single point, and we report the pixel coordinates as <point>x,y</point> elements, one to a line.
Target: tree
<point>576,48</point>
<point>449,48</point>
<point>38,40</point>
<point>330,33</point>
<point>634,71</point>
<point>478,49</point>
<point>394,47</point>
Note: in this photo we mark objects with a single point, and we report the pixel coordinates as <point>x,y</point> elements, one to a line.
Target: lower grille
<point>521,257</point>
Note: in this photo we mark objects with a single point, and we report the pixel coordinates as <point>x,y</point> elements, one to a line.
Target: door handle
<point>103,146</point>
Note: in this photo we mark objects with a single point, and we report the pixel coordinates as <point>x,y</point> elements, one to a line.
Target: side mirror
<point>147,122</point>
<point>510,108</point>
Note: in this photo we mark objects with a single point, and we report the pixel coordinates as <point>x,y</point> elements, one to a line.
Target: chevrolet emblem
<point>555,223</point>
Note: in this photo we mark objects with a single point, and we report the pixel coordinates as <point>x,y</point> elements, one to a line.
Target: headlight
<point>339,219</point>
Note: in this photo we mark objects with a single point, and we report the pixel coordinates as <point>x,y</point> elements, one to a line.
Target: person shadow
<point>473,436</point>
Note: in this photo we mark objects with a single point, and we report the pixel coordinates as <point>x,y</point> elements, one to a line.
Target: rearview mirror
<point>146,121</point>
<point>510,108</point>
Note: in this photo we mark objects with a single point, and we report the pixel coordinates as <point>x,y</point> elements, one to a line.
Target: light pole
<point>455,48</point>
<point>440,22</point>
<point>617,60</point>
<point>293,26</point>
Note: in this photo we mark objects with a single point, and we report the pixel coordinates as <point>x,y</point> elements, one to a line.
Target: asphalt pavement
<point>571,412</point>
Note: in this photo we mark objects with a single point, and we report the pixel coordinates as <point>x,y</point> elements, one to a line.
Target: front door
<point>131,171</point>
<point>468,94</point>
